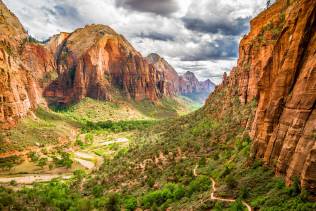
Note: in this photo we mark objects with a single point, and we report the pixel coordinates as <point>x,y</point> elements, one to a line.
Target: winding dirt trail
<point>214,198</point>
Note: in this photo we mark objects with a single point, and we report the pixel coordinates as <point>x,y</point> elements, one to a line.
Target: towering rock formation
<point>93,61</point>
<point>170,82</point>
<point>277,67</point>
<point>19,90</point>
<point>187,84</point>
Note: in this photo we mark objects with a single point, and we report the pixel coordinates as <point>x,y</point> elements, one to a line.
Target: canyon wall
<point>97,62</point>
<point>19,90</point>
<point>93,61</point>
<point>186,84</point>
<point>277,68</point>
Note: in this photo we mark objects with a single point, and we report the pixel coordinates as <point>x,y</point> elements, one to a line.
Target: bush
<point>237,206</point>
<point>33,156</point>
<point>112,203</point>
<point>97,190</point>
<point>201,183</point>
<point>65,160</point>
<point>130,203</point>
<point>89,139</point>
<point>231,182</point>
<point>42,162</point>
<point>170,192</point>
<point>150,181</point>
<point>295,188</point>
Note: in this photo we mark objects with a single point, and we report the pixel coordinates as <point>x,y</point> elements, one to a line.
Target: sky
<point>201,36</point>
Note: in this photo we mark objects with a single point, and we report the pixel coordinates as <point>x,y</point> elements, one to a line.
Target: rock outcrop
<point>19,90</point>
<point>187,84</point>
<point>277,68</point>
<point>93,61</point>
<point>170,81</point>
<point>97,62</point>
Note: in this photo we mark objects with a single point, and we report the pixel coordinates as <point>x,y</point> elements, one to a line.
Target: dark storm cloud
<point>156,36</point>
<point>66,13</point>
<point>225,48</point>
<point>235,27</point>
<point>160,7</point>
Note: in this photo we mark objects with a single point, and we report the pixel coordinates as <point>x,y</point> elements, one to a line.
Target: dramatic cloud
<point>160,7</point>
<point>157,36</point>
<point>225,48</point>
<point>200,36</point>
<point>234,27</point>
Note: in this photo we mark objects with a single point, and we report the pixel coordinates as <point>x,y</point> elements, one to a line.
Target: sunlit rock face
<point>20,90</point>
<point>174,84</point>
<point>93,61</point>
<point>277,68</point>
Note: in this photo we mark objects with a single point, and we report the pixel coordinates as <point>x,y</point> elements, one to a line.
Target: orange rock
<point>277,67</point>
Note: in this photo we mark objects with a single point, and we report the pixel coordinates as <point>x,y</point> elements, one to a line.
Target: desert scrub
<point>9,162</point>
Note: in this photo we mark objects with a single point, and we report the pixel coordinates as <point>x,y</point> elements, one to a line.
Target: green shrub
<point>170,191</point>
<point>42,162</point>
<point>9,162</point>
<point>97,190</point>
<point>295,188</point>
<point>33,156</point>
<point>237,206</point>
<point>89,138</point>
<point>64,161</point>
<point>231,181</point>
<point>130,203</point>
<point>201,183</point>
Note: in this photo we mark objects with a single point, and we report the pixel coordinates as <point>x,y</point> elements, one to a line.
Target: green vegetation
<point>155,169</point>
<point>119,126</point>
<point>63,161</point>
<point>47,129</point>
<point>9,162</point>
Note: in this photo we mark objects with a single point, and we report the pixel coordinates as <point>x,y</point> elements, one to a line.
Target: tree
<point>268,3</point>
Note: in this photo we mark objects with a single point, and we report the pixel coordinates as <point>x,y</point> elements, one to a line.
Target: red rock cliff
<point>19,90</point>
<point>173,84</point>
<point>277,67</point>
<point>95,61</point>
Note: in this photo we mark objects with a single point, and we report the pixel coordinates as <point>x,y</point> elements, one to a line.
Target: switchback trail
<point>214,198</point>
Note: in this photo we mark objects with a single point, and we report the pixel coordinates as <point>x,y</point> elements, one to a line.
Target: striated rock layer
<point>277,67</point>
<point>19,89</point>
<point>187,84</point>
<point>95,61</point>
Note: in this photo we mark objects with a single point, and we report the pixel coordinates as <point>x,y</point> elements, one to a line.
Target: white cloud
<point>200,47</point>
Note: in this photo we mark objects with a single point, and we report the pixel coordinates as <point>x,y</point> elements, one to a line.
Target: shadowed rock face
<point>277,67</point>
<point>186,84</point>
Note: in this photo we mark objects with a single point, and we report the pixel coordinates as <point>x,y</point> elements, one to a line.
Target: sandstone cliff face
<point>95,61</point>
<point>187,84</point>
<point>190,84</point>
<point>170,81</point>
<point>19,91</point>
<point>277,67</point>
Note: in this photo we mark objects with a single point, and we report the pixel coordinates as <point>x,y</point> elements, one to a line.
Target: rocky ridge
<point>93,61</point>
<point>277,69</point>
<point>175,84</point>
